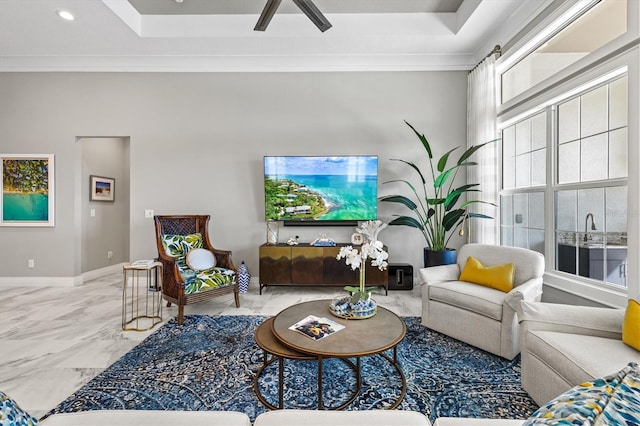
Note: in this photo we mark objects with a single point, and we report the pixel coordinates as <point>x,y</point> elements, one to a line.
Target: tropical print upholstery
<point>12,415</point>
<point>609,401</point>
<point>178,245</point>
<point>208,280</point>
<point>195,282</point>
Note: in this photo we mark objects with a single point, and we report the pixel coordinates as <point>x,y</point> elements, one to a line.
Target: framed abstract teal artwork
<point>27,190</point>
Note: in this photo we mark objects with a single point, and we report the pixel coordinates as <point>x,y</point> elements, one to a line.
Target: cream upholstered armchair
<point>481,316</point>
<point>564,346</point>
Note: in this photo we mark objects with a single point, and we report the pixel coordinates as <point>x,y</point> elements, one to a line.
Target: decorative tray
<point>343,309</point>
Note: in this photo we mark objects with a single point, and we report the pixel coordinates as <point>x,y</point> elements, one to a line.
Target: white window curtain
<point>481,128</point>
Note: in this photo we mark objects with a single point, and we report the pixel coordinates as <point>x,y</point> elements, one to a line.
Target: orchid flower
<point>370,249</point>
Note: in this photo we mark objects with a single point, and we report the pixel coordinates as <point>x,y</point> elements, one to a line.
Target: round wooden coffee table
<point>367,337</point>
<point>271,346</point>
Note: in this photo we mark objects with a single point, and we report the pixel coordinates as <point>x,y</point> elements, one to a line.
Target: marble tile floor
<point>54,340</point>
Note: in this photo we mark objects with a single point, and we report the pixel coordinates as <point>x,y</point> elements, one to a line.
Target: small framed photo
<point>356,238</point>
<point>27,197</point>
<point>102,188</point>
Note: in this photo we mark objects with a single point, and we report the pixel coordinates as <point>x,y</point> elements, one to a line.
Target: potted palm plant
<point>439,208</point>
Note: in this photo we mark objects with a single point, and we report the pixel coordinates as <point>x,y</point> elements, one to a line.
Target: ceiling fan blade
<point>266,15</point>
<point>314,14</point>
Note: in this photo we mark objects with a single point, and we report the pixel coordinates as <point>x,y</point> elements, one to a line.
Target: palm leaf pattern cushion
<point>208,280</point>
<point>178,246</point>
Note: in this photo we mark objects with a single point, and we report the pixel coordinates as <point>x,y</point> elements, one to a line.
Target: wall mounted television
<point>321,190</point>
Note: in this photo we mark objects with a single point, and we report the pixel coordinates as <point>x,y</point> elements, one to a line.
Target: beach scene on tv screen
<point>321,188</point>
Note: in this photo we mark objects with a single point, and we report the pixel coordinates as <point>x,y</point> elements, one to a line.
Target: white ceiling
<point>217,35</point>
<point>197,7</point>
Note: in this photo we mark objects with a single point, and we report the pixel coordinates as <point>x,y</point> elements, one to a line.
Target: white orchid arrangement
<point>372,249</point>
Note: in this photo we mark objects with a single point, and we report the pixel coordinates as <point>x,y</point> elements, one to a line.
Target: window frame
<point>514,51</point>
<point>593,75</point>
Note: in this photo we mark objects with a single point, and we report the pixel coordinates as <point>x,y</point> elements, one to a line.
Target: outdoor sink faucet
<point>593,225</point>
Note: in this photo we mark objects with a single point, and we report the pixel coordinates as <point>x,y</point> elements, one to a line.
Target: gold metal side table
<point>141,296</point>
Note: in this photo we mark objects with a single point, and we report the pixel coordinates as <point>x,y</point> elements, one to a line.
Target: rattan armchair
<point>173,283</point>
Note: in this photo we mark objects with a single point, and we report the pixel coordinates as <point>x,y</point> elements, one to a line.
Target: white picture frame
<point>27,197</point>
<point>102,188</point>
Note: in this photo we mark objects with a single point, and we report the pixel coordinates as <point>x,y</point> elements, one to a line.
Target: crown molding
<point>244,63</point>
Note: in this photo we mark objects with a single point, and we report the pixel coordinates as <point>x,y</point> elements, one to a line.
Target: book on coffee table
<point>316,327</point>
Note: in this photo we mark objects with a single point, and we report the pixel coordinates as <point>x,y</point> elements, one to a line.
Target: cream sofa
<point>564,346</point>
<point>269,418</point>
<point>368,418</point>
<point>459,421</point>
<point>478,315</point>
<point>334,418</point>
<point>147,418</point>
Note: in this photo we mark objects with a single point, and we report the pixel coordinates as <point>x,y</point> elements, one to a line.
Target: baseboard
<point>59,281</point>
<point>40,281</point>
<point>99,273</point>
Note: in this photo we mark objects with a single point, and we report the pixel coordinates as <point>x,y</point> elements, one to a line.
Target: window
<point>524,153</point>
<point>598,250</point>
<point>570,198</point>
<point>601,23</point>
<point>593,128</point>
<point>591,189</point>
<point>524,147</point>
<point>590,186</point>
<point>522,222</point>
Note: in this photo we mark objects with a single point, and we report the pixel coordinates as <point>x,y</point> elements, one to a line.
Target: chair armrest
<point>172,283</point>
<point>164,257</point>
<point>223,258</point>
<point>529,290</point>
<point>585,320</point>
<point>441,273</point>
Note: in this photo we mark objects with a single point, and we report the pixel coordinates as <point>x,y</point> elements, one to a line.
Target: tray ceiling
<point>218,36</point>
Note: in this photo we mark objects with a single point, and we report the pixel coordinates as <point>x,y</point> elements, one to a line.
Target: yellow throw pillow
<point>631,325</point>
<point>499,277</point>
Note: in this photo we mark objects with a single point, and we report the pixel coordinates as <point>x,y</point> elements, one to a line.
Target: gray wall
<point>197,142</point>
<point>108,229</point>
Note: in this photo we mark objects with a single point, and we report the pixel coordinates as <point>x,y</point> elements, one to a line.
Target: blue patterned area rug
<point>209,363</point>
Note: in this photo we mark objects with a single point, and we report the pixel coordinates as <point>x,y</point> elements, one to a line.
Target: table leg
<point>124,301</point>
<point>256,386</point>
<point>281,384</point>
<point>403,381</point>
<point>320,403</point>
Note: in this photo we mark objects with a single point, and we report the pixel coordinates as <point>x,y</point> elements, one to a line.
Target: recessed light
<point>66,15</point>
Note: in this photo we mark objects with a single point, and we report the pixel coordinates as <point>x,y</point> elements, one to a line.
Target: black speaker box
<point>400,276</point>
